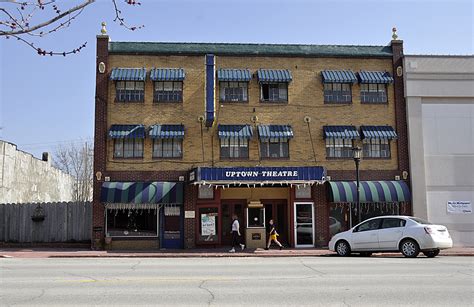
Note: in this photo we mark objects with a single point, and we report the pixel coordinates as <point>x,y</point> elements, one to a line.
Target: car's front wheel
<point>343,248</point>
<point>409,248</point>
<point>431,254</point>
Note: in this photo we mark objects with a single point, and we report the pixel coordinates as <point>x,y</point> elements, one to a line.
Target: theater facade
<point>189,134</point>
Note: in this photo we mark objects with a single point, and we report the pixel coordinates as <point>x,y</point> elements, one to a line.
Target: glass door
<point>304,224</point>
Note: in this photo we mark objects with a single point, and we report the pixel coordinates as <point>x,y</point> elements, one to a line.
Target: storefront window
<point>131,223</point>
<point>255,217</point>
<point>208,223</point>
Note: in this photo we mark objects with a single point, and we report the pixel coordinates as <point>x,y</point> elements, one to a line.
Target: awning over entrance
<point>257,175</point>
<point>370,191</point>
<point>136,194</point>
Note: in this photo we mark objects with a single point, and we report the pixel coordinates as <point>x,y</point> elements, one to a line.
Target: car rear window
<point>393,223</point>
<point>420,221</point>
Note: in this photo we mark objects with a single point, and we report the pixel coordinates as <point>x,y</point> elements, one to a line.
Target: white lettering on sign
<point>246,174</point>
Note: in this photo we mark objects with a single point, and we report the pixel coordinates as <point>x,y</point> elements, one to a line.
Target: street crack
<point>201,286</point>
<point>311,268</point>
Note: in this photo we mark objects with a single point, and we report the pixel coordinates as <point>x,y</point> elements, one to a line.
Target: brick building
<point>188,134</point>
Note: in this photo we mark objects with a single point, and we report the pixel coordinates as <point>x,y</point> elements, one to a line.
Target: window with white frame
<point>373,93</point>
<point>274,148</point>
<point>338,148</point>
<point>168,91</point>
<point>167,148</point>
<point>376,148</point>
<point>233,91</point>
<point>234,148</point>
<point>130,91</point>
<point>128,148</point>
<point>274,92</point>
<point>337,93</point>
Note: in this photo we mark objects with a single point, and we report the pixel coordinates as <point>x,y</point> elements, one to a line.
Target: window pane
<point>158,86</point>
<point>157,148</point>
<point>177,151</point>
<point>118,148</point>
<point>178,86</point>
<point>128,148</point>
<point>337,87</point>
<point>130,85</point>
<point>120,85</point>
<point>138,148</point>
<point>264,149</point>
<point>140,86</point>
<point>167,86</point>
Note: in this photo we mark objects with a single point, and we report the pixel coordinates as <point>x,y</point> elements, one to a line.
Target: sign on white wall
<point>459,207</point>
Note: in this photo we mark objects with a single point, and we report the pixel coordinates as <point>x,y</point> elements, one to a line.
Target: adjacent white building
<point>439,93</point>
<point>26,179</point>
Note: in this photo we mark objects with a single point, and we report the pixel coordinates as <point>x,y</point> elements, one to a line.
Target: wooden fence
<point>46,222</point>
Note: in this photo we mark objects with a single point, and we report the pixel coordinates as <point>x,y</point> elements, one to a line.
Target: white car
<point>393,233</point>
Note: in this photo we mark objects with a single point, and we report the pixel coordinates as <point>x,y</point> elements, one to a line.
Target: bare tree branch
<point>46,23</point>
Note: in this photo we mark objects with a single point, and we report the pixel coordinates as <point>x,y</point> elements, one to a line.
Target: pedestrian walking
<point>273,235</point>
<point>236,234</point>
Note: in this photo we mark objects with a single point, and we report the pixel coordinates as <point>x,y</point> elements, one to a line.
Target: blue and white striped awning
<point>128,74</point>
<point>378,132</point>
<point>274,75</point>
<point>340,132</point>
<point>127,132</point>
<point>167,132</point>
<point>275,132</point>
<point>338,76</point>
<point>235,131</point>
<point>375,77</point>
<point>234,75</point>
<point>167,74</point>
<point>370,191</point>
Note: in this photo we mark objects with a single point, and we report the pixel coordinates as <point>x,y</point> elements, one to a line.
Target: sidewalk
<point>192,253</point>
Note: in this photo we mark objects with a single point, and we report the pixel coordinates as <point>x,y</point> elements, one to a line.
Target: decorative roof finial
<point>103,30</point>
<point>394,33</point>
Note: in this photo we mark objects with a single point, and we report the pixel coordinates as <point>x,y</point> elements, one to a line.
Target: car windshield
<point>420,221</point>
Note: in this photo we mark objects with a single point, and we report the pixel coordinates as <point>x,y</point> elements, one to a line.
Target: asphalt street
<point>305,281</point>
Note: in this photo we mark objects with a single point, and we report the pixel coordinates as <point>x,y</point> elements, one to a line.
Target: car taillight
<point>428,230</point>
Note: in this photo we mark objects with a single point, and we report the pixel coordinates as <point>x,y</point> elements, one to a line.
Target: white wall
<point>26,179</point>
<point>439,92</point>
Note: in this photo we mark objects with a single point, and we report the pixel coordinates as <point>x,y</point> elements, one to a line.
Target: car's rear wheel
<point>366,254</point>
<point>431,254</point>
<point>343,248</point>
<point>409,248</point>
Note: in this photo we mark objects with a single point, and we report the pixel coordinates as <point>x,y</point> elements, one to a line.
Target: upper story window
<point>339,140</point>
<point>274,92</point>
<point>128,140</point>
<point>167,148</point>
<point>337,85</point>
<point>373,93</point>
<point>274,149</point>
<point>167,141</point>
<point>234,141</point>
<point>129,84</point>
<point>233,84</point>
<point>373,86</point>
<point>337,93</point>
<point>130,91</point>
<point>274,141</point>
<point>376,141</point>
<point>339,148</point>
<point>376,148</point>
<point>274,84</point>
<point>128,148</point>
<point>233,91</point>
<point>167,84</point>
<point>234,148</point>
<point>168,91</point>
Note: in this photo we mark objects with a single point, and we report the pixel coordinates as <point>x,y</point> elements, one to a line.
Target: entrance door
<point>229,208</point>
<point>278,211</point>
<point>304,224</point>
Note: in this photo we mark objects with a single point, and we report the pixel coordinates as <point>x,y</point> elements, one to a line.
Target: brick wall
<point>305,99</point>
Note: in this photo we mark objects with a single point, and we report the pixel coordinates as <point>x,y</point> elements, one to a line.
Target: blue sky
<point>46,101</point>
